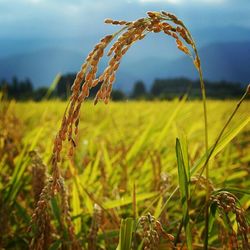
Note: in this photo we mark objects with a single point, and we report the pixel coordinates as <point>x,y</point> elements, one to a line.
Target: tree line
<point>161,89</point>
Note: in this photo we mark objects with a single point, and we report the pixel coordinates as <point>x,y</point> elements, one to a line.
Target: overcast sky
<point>64,18</point>
<point>83,19</point>
<point>35,32</point>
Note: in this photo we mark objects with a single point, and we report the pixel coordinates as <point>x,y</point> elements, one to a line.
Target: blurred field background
<point>119,146</point>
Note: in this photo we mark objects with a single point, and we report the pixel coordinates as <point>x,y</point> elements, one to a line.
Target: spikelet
<point>248,89</point>
<point>66,216</point>
<point>115,22</point>
<point>41,219</point>
<point>38,175</point>
<point>152,231</point>
<point>202,182</point>
<point>129,34</point>
<point>41,216</point>
<point>197,63</point>
<point>96,222</point>
<point>87,78</point>
<point>226,203</point>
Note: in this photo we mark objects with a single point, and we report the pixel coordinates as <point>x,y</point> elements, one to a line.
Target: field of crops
<point>122,184</point>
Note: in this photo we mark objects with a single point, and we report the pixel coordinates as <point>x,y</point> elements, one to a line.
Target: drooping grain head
<point>87,78</point>
<point>228,203</point>
<point>66,216</point>
<point>38,175</point>
<point>41,219</point>
<point>95,225</point>
<point>202,182</point>
<point>152,232</point>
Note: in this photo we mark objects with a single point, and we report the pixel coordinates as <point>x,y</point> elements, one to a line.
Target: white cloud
<point>178,2</point>
<point>34,1</point>
<point>161,1</point>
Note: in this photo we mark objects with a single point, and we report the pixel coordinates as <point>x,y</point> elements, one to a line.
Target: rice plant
<point>136,180</point>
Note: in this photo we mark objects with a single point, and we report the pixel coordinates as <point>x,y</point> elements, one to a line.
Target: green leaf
<point>212,215</point>
<point>52,86</point>
<point>164,131</point>
<point>107,160</point>
<point>56,210</point>
<point>139,142</point>
<point>184,192</point>
<point>22,212</point>
<point>94,170</point>
<point>237,175</point>
<point>158,207</point>
<point>76,208</point>
<point>128,200</point>
<point>184,151</point>
<point>233,190</point>
<point>21,163</point>
<point>56,245</point>
<point>221,145</point>
<point>126,233</point>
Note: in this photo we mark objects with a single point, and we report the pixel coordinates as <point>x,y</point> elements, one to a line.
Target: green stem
<point>223,130</point>
<point>203,93</point>
<point>207,167</point>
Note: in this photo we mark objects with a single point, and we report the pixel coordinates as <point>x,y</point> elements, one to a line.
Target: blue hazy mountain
<point>228,61</point>
<point>220,61</point>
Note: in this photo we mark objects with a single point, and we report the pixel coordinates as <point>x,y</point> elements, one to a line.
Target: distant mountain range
<point>220,61</point>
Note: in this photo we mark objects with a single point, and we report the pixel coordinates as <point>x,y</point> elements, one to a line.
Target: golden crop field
<point>125,167</point>
<point>129,175</point>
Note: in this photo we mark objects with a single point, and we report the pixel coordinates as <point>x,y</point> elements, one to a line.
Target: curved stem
<point>204,102</point>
